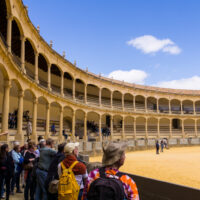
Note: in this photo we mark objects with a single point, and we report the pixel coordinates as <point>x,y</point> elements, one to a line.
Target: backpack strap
<point>73,164</point>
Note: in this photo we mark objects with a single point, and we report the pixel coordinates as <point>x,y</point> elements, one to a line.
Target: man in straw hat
<point>107,182</point>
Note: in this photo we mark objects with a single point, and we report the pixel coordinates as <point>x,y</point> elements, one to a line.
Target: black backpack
<point>106,188</point>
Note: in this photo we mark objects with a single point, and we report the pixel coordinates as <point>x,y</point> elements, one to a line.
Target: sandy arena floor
<point>177,165</point>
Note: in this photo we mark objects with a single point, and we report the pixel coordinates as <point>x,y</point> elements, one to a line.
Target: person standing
<point>157,147</point>
<point>29,128</point>
<point>162,145</point>
<point>46,156</point>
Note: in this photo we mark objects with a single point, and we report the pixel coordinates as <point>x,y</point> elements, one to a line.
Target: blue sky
<point>164,37</point>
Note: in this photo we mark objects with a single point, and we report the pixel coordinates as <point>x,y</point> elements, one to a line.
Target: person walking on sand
<point>157,147</point>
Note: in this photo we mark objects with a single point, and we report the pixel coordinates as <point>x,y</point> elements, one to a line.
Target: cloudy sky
<point>139,41</point>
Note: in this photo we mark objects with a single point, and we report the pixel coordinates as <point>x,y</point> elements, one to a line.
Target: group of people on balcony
<point>49,174</point>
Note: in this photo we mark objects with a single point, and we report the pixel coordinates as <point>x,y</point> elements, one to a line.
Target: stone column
<point>47,120</point>
<point>134,128</point>
<point>158,128</point>
<point>123,128</point>
<point>61,138</point>
<point>23,53</point>
<point>73,124</point>
<point>170,111</point>
<point>9,32</point>
<point>195,127</point>
<point>20,135</point>
<point>133,103</point>
<point>74,89</point>
<point>62,84</point>
<point>111,99</point>
<point>183,132</point>
<point>34,129</point>
<point>194,108</point>
<point>5,108</point>
<point>49,76</point>
<point>36,67</point>
<point>111,127</point>
<point>100,134</point>
<point>145,104</point>
<point>146,128</point>
<point>170,128</point>
<point>122,101</point>
<point>157,105</point>
<point>100,97</point>
<point>85,93</point>
<point>85,128</point>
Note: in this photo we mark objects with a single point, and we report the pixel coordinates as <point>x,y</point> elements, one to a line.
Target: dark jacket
<point>7,165</point>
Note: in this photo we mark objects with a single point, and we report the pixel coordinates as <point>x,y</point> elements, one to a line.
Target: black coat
<point>7,165</point>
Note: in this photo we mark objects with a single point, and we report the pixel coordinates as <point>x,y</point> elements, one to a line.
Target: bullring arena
<point>88,107</point>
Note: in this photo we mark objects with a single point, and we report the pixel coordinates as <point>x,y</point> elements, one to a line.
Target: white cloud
<point>150,44</point>
<point>192,83</point>
<point>132,76</point>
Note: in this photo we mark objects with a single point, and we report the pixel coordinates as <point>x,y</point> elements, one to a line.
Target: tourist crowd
<point>47,174</point>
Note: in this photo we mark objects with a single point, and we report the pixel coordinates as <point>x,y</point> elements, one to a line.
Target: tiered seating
<point>152,130</point>
<point>29,70</point>
<point>189,129</point>
<point>55,88</point>
<point>91,99</point>
<point>139,106</point>
<point>105,102</point>
<point>176,109</point>
<point>79,97</point>
<point>140,130</point>
<point>68,93</point>
<point>164,130</point>
<point>117,104</point>
<point>128,105</point>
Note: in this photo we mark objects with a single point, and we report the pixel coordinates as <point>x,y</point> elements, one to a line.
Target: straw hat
<point>69,147</point>
<point>112,152</point>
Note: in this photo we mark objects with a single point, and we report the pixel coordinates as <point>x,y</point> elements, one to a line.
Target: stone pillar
<point>85,127</point>
<point>5,109</point>
<point>74,89</point>
<point>34,129</point>
<point>100,97</point>
<point>73,124</point>
<point>170,128</point>
<point>111,99</point>
<point>133,103</point>
<point>122,101</point>
<point>111,127</point>
<point>134,128</point>
<point>62,84</point>
<point>23,53</point>
<point>123,128</point>
<point>20,135</point>
<point>47,120</point>
<point>85,93</point>
<point>183,132</point>
<point>194,108</point>
<point>146,128</point>
<point>36,67</point>
<point>195,127</point>
<point>170,111</point>
<point>100,134</point>
<point>145,104</point>
<point>61,138</point>
<point>9,32</point>
<point>158,128</point>
<point>49,76</point>
<point>157,105</point>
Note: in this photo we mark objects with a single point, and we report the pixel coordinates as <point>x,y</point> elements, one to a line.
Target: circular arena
<point>38,83</point>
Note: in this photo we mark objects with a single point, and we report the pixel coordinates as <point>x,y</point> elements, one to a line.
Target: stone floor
<point>17,197</point>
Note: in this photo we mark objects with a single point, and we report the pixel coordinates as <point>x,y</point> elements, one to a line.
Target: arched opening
<point>152,126</point>
<point>164,126</point>
<point>189,127</point>
<point>67,120</point>
<point>3,20</point>
<point>79,88</point>
<point>176,127</point>
<point>105,124</point>
<point>92,125</point>
<point>79,125</point>
<point>105,97</point>
<point>152,104</point>
<point>163,105</point>
<point>188,107</point>
<point>139,102</point>
<point>41,115</point>
<point>197,107</point>
<point>29,59</point>
<point>68,85</point>
<point>42,71</point>
<point>16,42</point>
<point>117,125</point>
<point>129,126</point>
<point>55,78</point>
<point>92,94</point>
<point>55,118</point>
<point>140,127</point>
<point>175,106</point>
<point>128,102</point>
<point>117,100</point>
